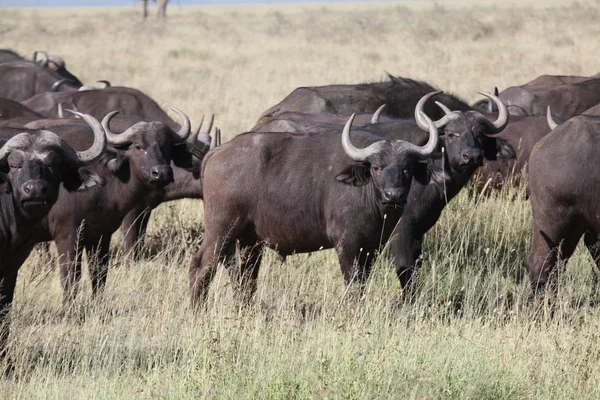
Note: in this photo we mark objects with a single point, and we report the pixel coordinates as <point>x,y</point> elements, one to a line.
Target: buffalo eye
<point>138,147</point>
<point>17,167</point>
<point>452,135</point>
<point>376,170</point>
<point>406,171</point>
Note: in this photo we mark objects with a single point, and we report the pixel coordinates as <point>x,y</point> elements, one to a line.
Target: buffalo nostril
<point>465,156</point>
<point>27,188</point>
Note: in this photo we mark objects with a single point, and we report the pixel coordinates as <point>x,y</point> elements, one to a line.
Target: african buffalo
<point>20,80</point>
<point>467,141</point>
<point>7,55</point>
<point>136,168</point>
<point>127,101</point>
<point>10,109</point>
<point>400,95</point>
<point>32,165</point>
<point>187,183</point>
<point>595,110</point>
<point>566,100</point>
<point>521,133</point>
<point>300,193</point>
<point>564,197</point>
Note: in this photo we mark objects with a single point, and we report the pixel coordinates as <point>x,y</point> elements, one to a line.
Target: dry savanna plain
<point>472,332</point>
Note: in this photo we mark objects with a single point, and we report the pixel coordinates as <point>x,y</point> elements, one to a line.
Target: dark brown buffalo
<point>32,166</point>
<point>521,133</point>
<point>7,55</point>
<point>595,110</point>
<point>467,141</point>
<point>300,193</point>
<point>566,100</point>
<point>20,80</point>
<point>128,101</point>
<point>564,199</point>
<point>135,168</point>
<point>10,109</point>
<point>549,80</point>
<point>400,95</point>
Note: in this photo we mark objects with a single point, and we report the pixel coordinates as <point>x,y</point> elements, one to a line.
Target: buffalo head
<point>467,135</point>
<point>149,148</point>
<point>32,164</point>
<point>389,165</point>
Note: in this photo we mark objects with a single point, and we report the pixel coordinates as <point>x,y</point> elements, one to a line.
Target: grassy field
<point>472,332</point>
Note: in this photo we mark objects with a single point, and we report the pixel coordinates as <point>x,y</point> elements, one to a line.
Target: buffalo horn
<point>355,153</point>
<point>551,122</point>
<point>111,137</point>
<point>377,114</point>
<point>61,114</point>
<point>57,85</point>
<point>445,109</point>
<point>186,126</point>
<point>216,139</point>
<point>203,135</point>
<point>425,151</point>
<point>106,83</point>
<point>44,60</point>
<point>500,123</point>
<point>419,109</point>
<point>90,155</point>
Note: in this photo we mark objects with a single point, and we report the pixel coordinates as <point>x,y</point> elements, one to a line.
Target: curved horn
<point>194,136</point>
<point>419,109</point>
<point>90,155</point>
<point>377,114</point>
<point>429,147</point>
<point>500,123</point>
<point>552,124</point>
<point>353,152</point>
<point>106,83</point>
<point>445,109</point>
<point>186,126</point>
<point>61,114</point>
<point>44,60</point>
<point>58,84</point>
<point>216,139</point>
<point>111,137</point>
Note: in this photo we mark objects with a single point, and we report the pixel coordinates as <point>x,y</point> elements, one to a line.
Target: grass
<point>472,332</point>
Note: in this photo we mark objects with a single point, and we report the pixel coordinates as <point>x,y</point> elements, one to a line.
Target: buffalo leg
<point>406,249</point>
<point>552,243</point>
<point>215,248</point>
<point>356,263</point>
<point>245,277</point>
<point>70,269</point>
<point>98,264</point>
<point>8,280</point>
<point>134,227</point>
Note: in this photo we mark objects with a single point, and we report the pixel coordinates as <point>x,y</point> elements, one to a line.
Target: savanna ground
<point>472,332</point>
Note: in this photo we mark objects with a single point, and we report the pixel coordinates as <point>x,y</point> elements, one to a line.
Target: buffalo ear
<point>505,150</point>
<point>81,178</point>
<point>113,160</point>
<point>421,172</point>
<point>355,175</point>
<point>182,157</point>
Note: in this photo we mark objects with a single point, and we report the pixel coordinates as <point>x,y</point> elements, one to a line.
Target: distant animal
<point>32,166</point>
<point>300,193</point>
<point>564,197</point>
<point>161,11</point>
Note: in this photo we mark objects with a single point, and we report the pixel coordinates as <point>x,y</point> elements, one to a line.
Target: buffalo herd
<point>345,167</point>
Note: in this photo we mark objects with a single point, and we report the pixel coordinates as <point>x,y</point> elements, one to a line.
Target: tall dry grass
<point>472,332</point>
